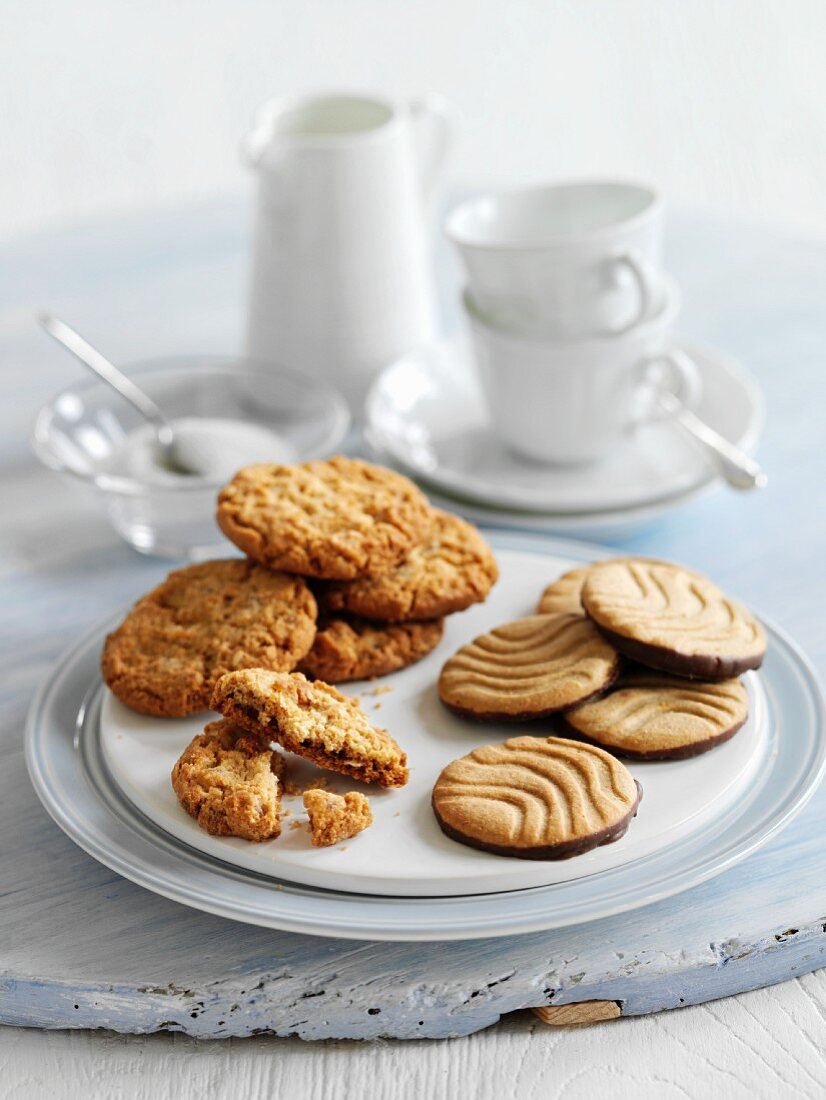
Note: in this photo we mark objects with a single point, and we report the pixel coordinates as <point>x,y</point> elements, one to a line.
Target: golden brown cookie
<point>529,668</point>
<point>338,518</point>
<point>336,817</point>
<point>564,594</point>
<point>654,716</point>
<point>672,619</point>
<point>167,655</point>
<point>229,782</point>
<point>357,649</point>
<point>313,720</point>
<point>452,570</point>
<point>536,798</point>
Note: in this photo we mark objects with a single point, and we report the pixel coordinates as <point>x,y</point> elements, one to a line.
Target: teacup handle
<point>648,284</point>
<point>670,373</point>
<point>433,130</point>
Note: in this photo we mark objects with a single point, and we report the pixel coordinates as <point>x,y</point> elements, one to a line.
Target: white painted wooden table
<point>169,283</point>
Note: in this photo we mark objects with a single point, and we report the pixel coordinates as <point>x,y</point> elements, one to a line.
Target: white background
<point>116,104</point>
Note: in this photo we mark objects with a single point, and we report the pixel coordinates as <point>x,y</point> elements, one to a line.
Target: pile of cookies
<point>349,574</point>
<point>631,657</point>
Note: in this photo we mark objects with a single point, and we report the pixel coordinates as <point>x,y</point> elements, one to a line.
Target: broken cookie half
<point>313,720</point>
<point>230,783</point>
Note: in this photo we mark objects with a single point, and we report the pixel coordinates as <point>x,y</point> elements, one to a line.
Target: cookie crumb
<point>335,817</point>
<point>296,824</point>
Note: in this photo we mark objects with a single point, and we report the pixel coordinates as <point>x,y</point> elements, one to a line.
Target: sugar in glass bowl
<point>226,413</point>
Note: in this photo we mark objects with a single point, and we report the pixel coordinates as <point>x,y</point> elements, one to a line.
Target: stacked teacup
<point>571,316</point>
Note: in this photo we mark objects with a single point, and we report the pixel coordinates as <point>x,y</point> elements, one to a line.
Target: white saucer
<point>617,525</point>
<point>426,414</point>
<point>678,797</point>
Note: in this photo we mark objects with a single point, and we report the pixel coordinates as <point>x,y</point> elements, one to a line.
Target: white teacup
<point>574,402</point>
<point>563,261</point>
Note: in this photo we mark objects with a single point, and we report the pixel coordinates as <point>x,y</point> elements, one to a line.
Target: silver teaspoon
<point>740,471</point>
<point>92,358</point>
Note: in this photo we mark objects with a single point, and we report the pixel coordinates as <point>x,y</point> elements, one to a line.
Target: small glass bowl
<point>81,430</point>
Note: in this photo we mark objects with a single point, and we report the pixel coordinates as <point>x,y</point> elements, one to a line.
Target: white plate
<point>427,414</point>
<point>64,759</point>
<point>678,798</point>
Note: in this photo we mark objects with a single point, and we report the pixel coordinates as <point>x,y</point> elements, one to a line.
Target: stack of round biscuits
<point>633,657</point>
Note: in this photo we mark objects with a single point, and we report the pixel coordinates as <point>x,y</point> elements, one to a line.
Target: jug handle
<point>433,132</point>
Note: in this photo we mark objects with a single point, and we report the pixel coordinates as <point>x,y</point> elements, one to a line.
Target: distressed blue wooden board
<point>83,948</point>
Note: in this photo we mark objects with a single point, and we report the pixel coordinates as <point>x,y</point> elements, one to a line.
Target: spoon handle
<point>734,465</point>
<point>92,358</point>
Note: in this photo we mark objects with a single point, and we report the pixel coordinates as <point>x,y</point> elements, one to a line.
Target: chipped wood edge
<point>578,1014</point>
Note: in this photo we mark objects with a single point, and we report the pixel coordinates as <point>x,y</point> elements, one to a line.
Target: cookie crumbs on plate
<point>295,790</point>
<point>296,824</point>
<point>380,689</point>
<point>335,817</point>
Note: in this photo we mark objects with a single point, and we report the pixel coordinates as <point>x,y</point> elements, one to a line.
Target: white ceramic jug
<point>341,279</point>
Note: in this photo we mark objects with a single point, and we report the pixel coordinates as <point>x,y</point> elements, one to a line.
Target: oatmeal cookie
<point>338,518</point>
<point>313,720</point>
<point>356,649</point>
<point>452,570</point>
<point>167,655</point>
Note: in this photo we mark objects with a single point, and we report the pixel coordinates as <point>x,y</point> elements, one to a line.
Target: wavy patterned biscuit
<point>230,783</point>
<point>564,594</point>
<point>174,645</point>
<point>313,720</point>
<point>536,798</point>
<point>336,817</point>
<point>529,668</point>
<point>339,518</point>
<point>672,619</point>
<point>654,716</point>
<point>452,570</point>
<point>356,649</point>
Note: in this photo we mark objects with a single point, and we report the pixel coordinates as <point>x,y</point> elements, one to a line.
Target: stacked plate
<point>426,415</point>
<point>103,774</point>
